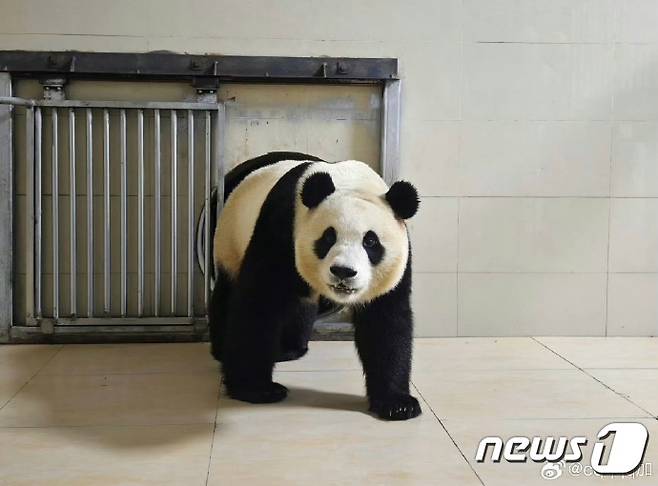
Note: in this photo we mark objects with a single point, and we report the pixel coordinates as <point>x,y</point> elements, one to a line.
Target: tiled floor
<point>153,414</point>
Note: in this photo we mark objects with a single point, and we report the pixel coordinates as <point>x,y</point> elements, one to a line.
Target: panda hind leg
<point>218,314</point>
<point>296,332</point>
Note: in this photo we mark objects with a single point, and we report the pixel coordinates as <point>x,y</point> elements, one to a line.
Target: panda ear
<point>403,199</point>
<point>316,188</point>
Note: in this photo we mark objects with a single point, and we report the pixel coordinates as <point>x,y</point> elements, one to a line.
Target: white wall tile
<point>535,158</point>
<point>633,304</point>
<point>430,156</point>
<point>432,80</point>
<point>531,304</point>
<point>637,21</point>
<point>387,19</point>
<point>537,81</point>
<point>246,19</point>
<point>538,20</point>
<point>533,235</point>
<point>634,235</point>
<point>635,159</point>
<point>636,82</point>
<point>434,303</point>
<point>434,235</point>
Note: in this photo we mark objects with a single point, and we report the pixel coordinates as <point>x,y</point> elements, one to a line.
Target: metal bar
<point>90,214</point>
<point>106,212</point>
<point>38,138</point>
<point>156,203</point>
<point>124,214</point>
<point>29,227</point>
<point>218,153</point>
<point>140,213</point>
<point>108,332</point>
<point>73,224</point>
<point>190,213</point>
<point>168,65</point>
<point>55,209</point>
<point>6,211</point>
<point>174,208</point>
<point>127,105</point>
<point>206,257</point>
<point>125,321</point>
<point>119,105</point>
<point>390,132</point>
<point>16,101</point>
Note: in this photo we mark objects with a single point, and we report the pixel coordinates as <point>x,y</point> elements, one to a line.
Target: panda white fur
<point>295,229</point>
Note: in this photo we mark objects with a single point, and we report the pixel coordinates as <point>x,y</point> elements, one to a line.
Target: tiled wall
<point>530,127</point>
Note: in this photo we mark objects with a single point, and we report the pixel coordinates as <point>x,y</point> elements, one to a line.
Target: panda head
<point>351,246</point>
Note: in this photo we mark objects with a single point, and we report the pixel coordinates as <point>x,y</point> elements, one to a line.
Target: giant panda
<point>295,229</point>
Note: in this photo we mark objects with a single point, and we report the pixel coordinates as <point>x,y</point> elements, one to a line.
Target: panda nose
<point>342,272</point>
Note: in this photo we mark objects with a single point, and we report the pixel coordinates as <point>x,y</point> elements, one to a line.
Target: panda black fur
<point>287,236</point>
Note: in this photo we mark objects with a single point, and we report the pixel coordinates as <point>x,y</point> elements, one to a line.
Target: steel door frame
<point>205,72</point>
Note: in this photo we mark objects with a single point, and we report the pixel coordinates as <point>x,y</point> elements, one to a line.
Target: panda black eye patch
<point>325,242</point>
<point>373,247</point>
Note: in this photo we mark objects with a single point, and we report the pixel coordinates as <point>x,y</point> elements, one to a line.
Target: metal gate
<point>56,160</point>
<point>116,192</point>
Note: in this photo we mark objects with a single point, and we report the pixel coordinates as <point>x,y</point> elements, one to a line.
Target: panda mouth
<point>343,289</point>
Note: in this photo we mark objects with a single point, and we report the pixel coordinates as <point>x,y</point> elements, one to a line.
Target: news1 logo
<point>625,443</point>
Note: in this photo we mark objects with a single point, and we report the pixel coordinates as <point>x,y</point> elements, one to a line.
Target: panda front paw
<point>269,393</point>
<point>395,407</point>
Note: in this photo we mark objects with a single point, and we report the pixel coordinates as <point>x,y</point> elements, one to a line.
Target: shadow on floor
<point>136,411</point>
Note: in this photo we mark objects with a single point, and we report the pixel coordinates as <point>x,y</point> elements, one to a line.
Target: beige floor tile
<point>93,359</point>
<point>18,363</point>
<point>438,353</point>
<point>520,394</point>
<point>114,400</point>
<point>468,433</point>
<point>94,456</point>
<point>606,352</point>
<point>483,353</point>
<point>321,435</point>
<point>640,386</point>
<point>28,357</point>
<point>325,355</point>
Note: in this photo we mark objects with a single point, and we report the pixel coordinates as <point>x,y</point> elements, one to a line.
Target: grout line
<point>529,120</point>
<point>523,272</point>
<point>462,70</point>
<point>138,373</point>
<point>424,40</point>
<point>457,313</point>
<point>531,196</point>
<point>623,369</point>
<point>448,433</point>
<point>108,425</point>
<point>214,430</point>
<point>545,43</point>
<point>489,272</point>
<point>32,377</point>
<point>187,424</point>
<point>611,147</point>
<point>460,142</point>
<point>650,414</point>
